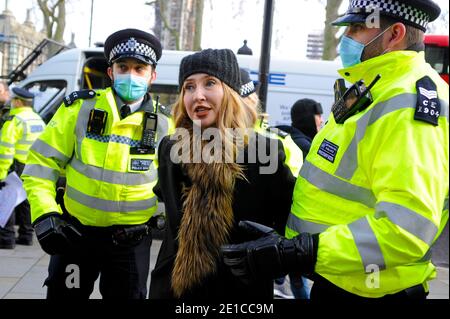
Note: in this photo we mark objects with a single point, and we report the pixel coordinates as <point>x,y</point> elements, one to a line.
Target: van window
<point>94,74</point>
<point>48,95</point>
<point>168,94</point>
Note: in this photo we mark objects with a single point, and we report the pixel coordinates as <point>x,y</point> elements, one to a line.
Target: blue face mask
<point>130,87</point>
<point>351,51</point>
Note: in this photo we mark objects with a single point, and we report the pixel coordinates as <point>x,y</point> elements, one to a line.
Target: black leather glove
<point>2,184</point>
<point>271,255</point>
<point>55,235</point>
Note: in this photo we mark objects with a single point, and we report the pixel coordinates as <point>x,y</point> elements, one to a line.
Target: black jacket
<point>303,141</point>
<point>264,199</point>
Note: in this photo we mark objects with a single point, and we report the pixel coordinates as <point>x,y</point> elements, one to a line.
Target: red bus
<point>436,53</point>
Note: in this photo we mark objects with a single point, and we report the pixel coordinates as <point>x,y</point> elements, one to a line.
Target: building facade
<point>17,41</point>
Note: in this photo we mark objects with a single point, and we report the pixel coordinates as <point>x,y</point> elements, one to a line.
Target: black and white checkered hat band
<point>391,7</point>
<point>247,89</point>
<point>131,46</point>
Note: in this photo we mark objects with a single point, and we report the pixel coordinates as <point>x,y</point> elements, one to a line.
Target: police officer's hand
<point>271,255</point>
<point>2,184</point>
<point>55,235</point>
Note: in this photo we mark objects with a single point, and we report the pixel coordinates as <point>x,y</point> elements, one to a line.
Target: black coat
<point>265,199</point>
<point>303,141</point>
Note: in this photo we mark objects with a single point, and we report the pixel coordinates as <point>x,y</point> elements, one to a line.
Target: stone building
<point>17,41</point>
<point>314,49</point>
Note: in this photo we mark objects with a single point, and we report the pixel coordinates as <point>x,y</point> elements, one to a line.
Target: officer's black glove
<point>270,256</point>
<point>55,235</point>
<point>2,184</point>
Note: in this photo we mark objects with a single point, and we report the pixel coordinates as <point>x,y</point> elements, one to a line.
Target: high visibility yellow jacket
<point>375,187</point>
<point>294,155</point>
<point>20,130</point>
<point>107,184</point>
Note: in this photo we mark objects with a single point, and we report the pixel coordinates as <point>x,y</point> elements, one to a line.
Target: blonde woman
<point>214,172</point>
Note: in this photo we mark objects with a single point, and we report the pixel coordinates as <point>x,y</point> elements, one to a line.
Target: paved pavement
<point>23,270</point>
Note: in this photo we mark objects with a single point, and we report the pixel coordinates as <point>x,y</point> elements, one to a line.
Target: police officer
<point>369,201</point>
<point>4,101</point>
<point>106,141</point>
<point>21,128</point>
<point>306,121</point>
<point>294,156</point>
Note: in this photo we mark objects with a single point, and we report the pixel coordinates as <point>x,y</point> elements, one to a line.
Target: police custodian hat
<point>133,43</point>
<point>416,13</point>
<point>21,93</point>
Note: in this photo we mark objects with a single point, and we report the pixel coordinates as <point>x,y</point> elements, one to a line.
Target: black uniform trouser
<point>323,290</point>
<point>123,267</point>
<point>21,216</point>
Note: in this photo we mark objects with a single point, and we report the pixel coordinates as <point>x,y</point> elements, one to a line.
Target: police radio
<point>149,132</point>
<point>352,100</point>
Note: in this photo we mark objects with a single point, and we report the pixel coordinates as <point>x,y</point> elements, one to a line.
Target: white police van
<point>78,69</point>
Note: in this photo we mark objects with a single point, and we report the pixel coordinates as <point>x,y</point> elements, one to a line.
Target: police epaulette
<point>8,118</point>
<point>277,131</point>
<point>166,110</point>
<point>72,97</point>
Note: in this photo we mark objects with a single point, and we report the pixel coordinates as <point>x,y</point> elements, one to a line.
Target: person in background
<point>106,141</point>
<point>4,99</point>
<point>21,128</point>
<point>372,196</point>
<point>294,156</point>
<point>306,118</point>
<point>205,198</point>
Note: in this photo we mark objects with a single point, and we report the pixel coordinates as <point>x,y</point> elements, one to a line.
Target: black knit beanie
<point>302,116</point>
<point>221,64</point>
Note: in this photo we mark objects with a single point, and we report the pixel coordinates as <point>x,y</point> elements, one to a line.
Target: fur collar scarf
<point>206,222</point>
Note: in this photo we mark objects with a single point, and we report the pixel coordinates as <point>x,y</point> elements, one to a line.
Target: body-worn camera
<point>350,101</point>
<point>97,121</point>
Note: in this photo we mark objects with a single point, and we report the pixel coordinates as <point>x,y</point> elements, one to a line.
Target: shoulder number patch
<point>428,107</point>
<point>72,97</point>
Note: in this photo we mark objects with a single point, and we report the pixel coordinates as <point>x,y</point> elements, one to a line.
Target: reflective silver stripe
<point>82,122</point>
<point>46,150</point>
<point>6,156</point>
<point>6,144</point>
<point>367,244</point>
<point>25,142</point>
<point>331,184</point>
<point>109,205</point>
<point>40,171</point>
<point>162,129</point>
<point>303,226</point>
<point>24,122</point>
<point>21,152</point>
<point>409,220</point>
<point>101,174</point>
<point>349,161</point>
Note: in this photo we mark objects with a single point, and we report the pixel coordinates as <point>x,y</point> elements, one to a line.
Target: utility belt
<point>118,234</point>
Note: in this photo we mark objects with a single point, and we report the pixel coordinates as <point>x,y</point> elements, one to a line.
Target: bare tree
<point>54,12</point>
<point>440,26</point>
<point>331,41</point>
<point>191,13</point>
